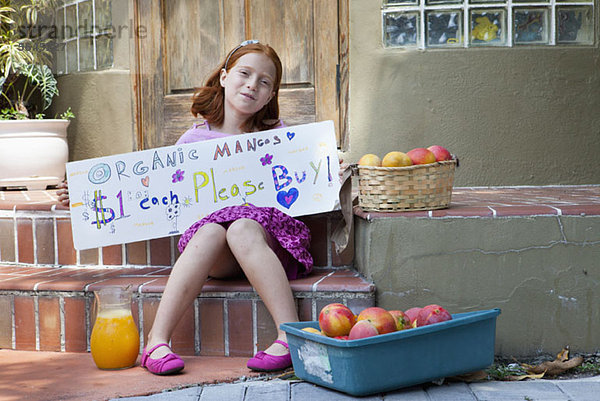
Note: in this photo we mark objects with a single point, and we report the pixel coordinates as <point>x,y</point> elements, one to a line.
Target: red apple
<point>412,314</point>
<point>362,329</point>
<point>421,156</point>
<point>336,320</point>
<point>342,337</point>
<point>440,152</point>
<point>402,322</point>
<point>380,318</point>
<point>431,314</point>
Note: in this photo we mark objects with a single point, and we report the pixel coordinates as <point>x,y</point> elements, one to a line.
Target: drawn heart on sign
<point>146,181</point>
<point>286,198</point>
<point>290,135</point>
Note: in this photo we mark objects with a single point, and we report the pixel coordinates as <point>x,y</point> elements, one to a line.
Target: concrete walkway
<point>587,389</point>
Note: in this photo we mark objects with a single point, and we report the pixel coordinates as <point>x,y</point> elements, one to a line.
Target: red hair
<point>209,100</point>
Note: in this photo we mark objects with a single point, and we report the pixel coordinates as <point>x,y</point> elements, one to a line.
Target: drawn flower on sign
<point>178,176</point>
<point>172,211</point>
<point>266,159</point>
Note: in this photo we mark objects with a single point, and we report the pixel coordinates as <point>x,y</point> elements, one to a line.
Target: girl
<point>262,243</point>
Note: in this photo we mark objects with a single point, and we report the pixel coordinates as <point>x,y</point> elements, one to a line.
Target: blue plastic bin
<point>391,361</point>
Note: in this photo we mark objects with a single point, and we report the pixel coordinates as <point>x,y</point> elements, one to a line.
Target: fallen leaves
<point>561,364</point>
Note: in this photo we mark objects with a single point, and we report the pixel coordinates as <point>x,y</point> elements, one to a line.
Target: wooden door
<point>185,39</point>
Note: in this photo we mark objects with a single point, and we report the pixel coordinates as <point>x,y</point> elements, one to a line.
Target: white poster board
<point>161,192</point>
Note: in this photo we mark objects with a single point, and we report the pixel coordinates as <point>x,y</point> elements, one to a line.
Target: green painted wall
<point>514,116</point>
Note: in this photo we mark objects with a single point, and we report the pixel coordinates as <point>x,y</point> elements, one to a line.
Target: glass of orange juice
<point>115,339</point>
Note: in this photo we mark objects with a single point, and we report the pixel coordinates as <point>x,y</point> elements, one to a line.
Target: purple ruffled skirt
<point>293,237</point>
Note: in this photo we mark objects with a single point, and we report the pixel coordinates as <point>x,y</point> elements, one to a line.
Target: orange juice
<point>115,340</point>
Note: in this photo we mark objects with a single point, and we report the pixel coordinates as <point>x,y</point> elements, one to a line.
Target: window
<point>475,23</point>
<point>85,37</point>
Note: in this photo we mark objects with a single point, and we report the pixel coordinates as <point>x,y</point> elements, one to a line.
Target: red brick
<point>160,252</point>
<point>25,238</point>
<point>66,252</point>
<point>49,321</point>
<point>150,306</point>
<point>239,319</point>
<point>24,323</point>
<point>305,310</point>
<point>75,329</point>
<point>211,327</point>
<point>44,235</point>
<point>183,339</point>
<point>265,327</point>
<point>136,253</point>
<point>112,255</point>
<point>6,306</point>
<point>7,240</point>
<point>88,256</point>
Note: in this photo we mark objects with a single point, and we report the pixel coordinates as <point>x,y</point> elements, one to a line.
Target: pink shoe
<point>264,362</point>
<point>167,365</point>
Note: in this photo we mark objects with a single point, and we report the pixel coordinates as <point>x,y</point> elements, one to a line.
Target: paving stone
<point>528,390</point>
<point>268,391</point>
<point>231,392</point>
<point>188,394</point>
<point>581,390</point>
<point>407,394</point>
<point>450,392</point>
<point>308,391</point>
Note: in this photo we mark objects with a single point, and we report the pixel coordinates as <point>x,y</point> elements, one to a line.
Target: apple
<point>383,321</point>
<point>421,156</point>
<point>396,159</point>
<point>412,315</point>
<point>342,337</point>
<point>431,314</point>
<point>440,152</point>
<point>370,160</point>
<point>362,329</point>
<point>312,330</point>
<point>336,320</point>
<point>402,322</point>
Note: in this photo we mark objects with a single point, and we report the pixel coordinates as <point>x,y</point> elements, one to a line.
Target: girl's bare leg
<point>248,242</point>
<point>206,254</point>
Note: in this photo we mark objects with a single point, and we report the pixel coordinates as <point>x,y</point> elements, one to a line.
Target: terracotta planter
<point>33,153</point>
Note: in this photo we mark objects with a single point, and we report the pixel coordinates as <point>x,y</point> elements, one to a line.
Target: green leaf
<point>42,77</point>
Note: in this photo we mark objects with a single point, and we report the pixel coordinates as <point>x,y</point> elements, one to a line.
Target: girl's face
<point>248,85</point>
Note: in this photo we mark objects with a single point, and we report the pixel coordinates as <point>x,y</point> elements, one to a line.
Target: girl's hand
<point>343,168</point>
<point>63,193</point>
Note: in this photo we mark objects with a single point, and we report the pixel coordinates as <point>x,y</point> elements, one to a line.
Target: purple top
<point>202,132</point>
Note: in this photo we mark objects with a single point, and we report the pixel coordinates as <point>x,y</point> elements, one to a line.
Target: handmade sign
<point>160,192</point>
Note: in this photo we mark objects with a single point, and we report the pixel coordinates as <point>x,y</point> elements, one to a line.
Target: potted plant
<point>33,149</point>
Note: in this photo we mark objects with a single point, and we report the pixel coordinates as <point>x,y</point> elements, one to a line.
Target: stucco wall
<point>540,271</point>
<point>102,100</point>
<point>514,116</point>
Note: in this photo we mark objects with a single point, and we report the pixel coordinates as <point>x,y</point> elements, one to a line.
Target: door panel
<point>189,37</point>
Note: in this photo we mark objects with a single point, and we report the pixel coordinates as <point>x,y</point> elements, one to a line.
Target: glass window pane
<point>488,27</point>
<point>531,26</point>
<point>86,21</point>
<point>395,2</point>
<point>104,51</point>
<point>401,29</point>
<point>432,2</point>
<point>60,24</point>
<point>575,25</point>
<point>59,57</point>
<point>103,15</point>
<point>86,54</point>
<point>71,26</point>
<point>72,64</point>
<point>444,28</point>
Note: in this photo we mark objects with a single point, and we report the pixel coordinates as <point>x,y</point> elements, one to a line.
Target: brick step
<point>51,308</point>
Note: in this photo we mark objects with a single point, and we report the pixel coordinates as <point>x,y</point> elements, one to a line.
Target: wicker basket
<point>419,187</point>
